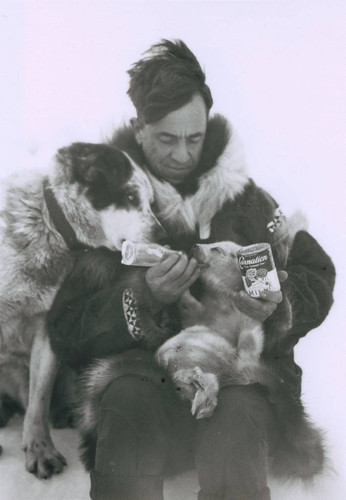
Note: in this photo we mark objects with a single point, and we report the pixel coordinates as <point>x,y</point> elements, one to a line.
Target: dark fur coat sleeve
<point>308,290</point>
<point>104,308</point>
<point>70,319</point>
<point>310,283</point>
<point>307,294</point>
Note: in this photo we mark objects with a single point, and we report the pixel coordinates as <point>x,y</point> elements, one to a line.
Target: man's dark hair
<point>165,80</point>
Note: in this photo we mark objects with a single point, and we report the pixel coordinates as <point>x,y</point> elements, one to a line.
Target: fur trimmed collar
<point>219,177</point>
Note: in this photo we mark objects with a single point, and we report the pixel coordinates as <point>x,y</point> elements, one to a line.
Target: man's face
<point>173,145</point>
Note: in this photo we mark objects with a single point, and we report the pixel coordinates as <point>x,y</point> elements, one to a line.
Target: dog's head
<point>114,187</point>
<point>219,266</point>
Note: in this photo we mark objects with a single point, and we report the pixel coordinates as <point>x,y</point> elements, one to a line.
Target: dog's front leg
<point>42,458</point>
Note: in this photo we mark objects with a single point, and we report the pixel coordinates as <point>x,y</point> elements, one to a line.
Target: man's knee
<point>232,449</point>
<point>130,392</point>
<point>240,410</point>
<point>242,399</point>
<point>132,428</point>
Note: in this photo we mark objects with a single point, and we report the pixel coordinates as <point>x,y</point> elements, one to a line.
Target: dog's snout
<point>199,254</point>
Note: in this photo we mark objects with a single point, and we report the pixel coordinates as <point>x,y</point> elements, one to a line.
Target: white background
<point>276,70</point>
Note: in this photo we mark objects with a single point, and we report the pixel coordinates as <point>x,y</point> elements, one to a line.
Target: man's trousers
<point>145,432</point>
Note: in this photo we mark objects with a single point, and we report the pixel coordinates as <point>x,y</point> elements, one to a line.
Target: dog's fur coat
<point>104,198</point>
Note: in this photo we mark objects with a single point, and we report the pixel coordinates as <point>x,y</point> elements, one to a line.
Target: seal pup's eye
<point>178,348</point>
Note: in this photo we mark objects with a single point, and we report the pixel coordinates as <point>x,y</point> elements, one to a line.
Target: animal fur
<point>220,184</point>
<point>223,347</point>
<point>219,345</point>
<point>105,197</point>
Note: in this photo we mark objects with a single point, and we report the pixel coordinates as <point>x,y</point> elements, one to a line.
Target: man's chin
<point>176,177</point>
<point>176,181</point>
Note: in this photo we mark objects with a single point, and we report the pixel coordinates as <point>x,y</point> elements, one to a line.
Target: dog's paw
<point>205,400</point>
<point>203,404</point>
<point>42,459</point>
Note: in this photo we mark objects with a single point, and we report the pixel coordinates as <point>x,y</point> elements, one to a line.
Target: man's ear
<point>137,127</point>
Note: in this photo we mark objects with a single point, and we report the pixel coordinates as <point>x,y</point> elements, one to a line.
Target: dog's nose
<point>198,254</point>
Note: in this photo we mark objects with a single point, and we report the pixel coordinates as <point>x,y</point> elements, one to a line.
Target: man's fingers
<point>255,308</point>
<point>192,278</point>
<point>271,296</point>
<point>190,271</point>
<point>282,275</point>
<point>250,303</point>
<point>163,267</point>
<point>179,275</point>
<point>176,273</point>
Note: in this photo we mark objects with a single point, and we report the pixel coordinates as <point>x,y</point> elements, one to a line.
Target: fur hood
<point>219,177</point>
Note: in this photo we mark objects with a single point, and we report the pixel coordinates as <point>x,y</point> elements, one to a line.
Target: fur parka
<point>218,202</point>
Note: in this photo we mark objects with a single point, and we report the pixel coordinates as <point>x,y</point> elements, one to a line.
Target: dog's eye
<point>133,198</point>
<point>218,250</point>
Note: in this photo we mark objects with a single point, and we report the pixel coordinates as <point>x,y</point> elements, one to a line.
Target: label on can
<point>258,270</point>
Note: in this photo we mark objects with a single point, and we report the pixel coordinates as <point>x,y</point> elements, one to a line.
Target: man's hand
<point>169,279</point>
<point>264,306</point>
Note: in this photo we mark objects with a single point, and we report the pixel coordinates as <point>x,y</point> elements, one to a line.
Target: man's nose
<point>180,153</point>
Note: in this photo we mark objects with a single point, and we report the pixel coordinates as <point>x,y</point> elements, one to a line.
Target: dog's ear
<point>75,160</point>
<point>100,168</point>
<point>103,186</point>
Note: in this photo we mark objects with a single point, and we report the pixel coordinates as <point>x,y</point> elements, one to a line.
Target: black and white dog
<point>94,195</point>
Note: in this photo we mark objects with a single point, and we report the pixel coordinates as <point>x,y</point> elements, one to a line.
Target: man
<point>202,194</point>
